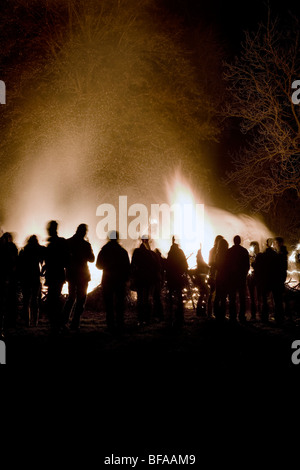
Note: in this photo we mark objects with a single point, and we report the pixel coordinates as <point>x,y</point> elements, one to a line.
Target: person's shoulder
<point>136,254</point>
<point>181,252</point>
<point>14,247</point>
<point>124,255</point>
<point>105,248</point>
<point>122,249</point>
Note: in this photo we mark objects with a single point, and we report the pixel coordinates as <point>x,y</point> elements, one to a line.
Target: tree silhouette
<point>267,168</point>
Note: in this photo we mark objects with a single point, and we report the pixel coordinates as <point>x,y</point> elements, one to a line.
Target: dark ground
<point>200,345</point>
<point>220,393</point>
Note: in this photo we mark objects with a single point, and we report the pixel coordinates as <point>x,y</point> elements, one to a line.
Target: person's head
<point>269,242</point>
<point>278,243</point>
<point>217,239</point>
<point>237,240</point>
<point>32,240</point>
<point>113,236</point>
<point>7,238</point>
<point>145,240</point>
<point>175,240</point>
<point>81,230</point>
<point>52,228</point>
<point>254,248</point>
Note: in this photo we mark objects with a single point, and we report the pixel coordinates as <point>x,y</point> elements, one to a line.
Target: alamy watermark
<point>160,222</point>
<point>296,93</point>
<point>2,92</point>
<point>296,354</point>
<point>2,352</point>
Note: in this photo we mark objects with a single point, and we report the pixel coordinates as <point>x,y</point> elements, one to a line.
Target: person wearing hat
<point>144,268</point>
<point>176,269</point>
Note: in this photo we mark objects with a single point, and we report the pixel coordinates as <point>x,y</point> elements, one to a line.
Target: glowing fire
<point>190,228</point>
<point>203,223</point>
<point>197,227</point>
<point>96,277</point>
<point>293,272</point>
<point>292,257</point>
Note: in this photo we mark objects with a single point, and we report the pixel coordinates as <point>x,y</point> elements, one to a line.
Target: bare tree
<point>260,87</point>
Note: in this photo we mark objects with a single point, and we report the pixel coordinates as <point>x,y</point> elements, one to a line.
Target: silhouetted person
<point>113,259</point>
<point>31,259</point>
<point>56,255</point>
<point>212,273</point>
<point>78,275</point>
<point>272,283</point>
<point>283,267</point>
<point>8,281</point>
<point>202,266</point>
<point>177,267</point>
<point>159,277</point>
<point>199,277</point>
<point>255,279</point>
<point>297,262</point>
<point>238,268</point>
<point>221,279</point>
<point>143,272</point>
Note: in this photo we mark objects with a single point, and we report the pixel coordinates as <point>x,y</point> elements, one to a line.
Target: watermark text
<point>2,92</point>
<point>296,354</point>
<point>2,352</point>
<point>296,93</point>
<point>160,222</point>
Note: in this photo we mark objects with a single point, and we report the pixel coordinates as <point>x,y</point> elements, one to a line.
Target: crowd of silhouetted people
<point>233,280</point>
<point>235,272</point>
